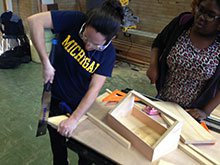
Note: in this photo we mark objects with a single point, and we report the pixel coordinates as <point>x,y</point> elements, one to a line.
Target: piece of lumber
<point>142,33</point>
<point>192,132</point>
<point>205,155</point>
<point>197,154</point>
<point>55,120</point>
<point>132,52</point>
<point>163,162</point>
<point>216,112</point>
<point>124,142</point>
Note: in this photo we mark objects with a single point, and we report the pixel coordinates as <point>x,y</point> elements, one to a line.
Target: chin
<point>199,29</point>
<point>89,49</point>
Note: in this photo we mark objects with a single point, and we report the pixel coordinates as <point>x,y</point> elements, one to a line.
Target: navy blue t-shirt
<point>73,64</point>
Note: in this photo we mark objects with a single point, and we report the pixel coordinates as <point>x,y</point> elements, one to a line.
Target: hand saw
<point>46,98</point>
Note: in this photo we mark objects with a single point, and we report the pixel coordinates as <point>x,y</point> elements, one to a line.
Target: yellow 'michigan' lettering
<point>75,50</point>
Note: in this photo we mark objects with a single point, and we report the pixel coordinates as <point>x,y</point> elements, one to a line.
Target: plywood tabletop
<point>92,136</point>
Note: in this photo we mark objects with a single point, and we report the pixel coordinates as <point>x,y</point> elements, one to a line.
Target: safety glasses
<point>86,40</point>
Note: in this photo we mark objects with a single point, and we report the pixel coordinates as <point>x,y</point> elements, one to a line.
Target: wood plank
<point>206,156</point>
<point>141,130</point>
<point>197,154</point>
<point>192,131</point>
<point>55,121</point>
<point>153,124</point>
<point>216,112</point>
<point>132,52</point>
<point>163,162</point>
<point>124,142</point>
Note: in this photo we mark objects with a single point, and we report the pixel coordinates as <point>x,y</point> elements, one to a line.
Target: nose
<point>203,16</point>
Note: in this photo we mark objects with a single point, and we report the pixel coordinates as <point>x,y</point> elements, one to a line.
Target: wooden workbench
<point>95,138</point>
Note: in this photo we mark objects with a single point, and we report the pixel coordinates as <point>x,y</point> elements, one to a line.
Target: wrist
<point>74,117</point>
<point>204,113</point>
<point>45,62</point>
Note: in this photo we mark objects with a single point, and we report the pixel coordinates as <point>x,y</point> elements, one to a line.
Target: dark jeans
<point>58,142</point>
<point>58,146</point>
<point>59,149</point>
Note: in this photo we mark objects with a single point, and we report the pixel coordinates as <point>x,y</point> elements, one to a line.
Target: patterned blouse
<point>189,70</point>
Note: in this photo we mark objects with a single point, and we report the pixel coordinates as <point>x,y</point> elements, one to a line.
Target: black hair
<point>106,19</point>
<point>199,1</point>
<point>218,3</point>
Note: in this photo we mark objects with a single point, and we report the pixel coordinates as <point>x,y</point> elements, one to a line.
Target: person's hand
<point>197,113</point>
<point>152,74</point>
<point>66,127</point>
<point>48,72</point>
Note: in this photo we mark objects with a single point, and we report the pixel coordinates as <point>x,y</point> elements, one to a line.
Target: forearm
<point>89,98</point>
<point>37,24</point>
<point>152,72</point>
<point>212,104</point>
<point>85,104</point>
<point>154,57</point>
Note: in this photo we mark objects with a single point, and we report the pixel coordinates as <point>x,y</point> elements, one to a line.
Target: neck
<point>200,40</point>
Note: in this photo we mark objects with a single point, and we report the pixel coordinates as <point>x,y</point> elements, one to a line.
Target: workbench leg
<point>88,153</point>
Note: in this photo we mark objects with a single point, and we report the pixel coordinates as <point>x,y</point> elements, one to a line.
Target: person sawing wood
<point>85,57</point>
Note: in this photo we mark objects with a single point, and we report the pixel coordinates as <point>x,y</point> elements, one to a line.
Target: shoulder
<point>67,14</point>
<point>67,20</point>
<point>185,17</point>
<point>108,55</point>
<point>180,20</point>
<point>110,50</point>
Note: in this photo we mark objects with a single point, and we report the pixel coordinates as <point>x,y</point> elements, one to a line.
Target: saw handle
<point>47,86</point>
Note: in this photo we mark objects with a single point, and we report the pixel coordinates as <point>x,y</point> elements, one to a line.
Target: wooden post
<point>39,4</point>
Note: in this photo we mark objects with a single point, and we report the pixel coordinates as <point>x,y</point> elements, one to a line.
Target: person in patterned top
<point>185,60</point>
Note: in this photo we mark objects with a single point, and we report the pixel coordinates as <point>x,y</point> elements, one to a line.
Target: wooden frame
<point>147,135</point>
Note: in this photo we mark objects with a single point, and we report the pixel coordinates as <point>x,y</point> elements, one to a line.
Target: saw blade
<point>45,108</point>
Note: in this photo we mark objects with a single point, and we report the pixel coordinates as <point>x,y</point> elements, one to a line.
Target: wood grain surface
<point>192,131</point>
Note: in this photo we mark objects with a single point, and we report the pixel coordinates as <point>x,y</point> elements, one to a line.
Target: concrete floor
<point>20,94</point>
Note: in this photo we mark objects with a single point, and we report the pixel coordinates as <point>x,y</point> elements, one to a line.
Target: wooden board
<point>95,138</point>
<point>192,131</point>
<point>55,121</point>
<point>109,131</point>
<point>163,162</point>
<point>141,128</point>
<point>216,112</point>
<point>197,154</point>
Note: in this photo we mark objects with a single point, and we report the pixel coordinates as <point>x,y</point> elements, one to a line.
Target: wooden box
<point>145,134</point>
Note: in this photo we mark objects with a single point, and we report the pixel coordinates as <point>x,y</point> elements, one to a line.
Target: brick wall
<point>66,4</point>
<point>153,14</point>
<point>25,8</point>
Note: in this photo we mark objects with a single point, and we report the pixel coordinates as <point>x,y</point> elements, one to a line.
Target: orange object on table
<point>203,124</point>
<point>116,96</point>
